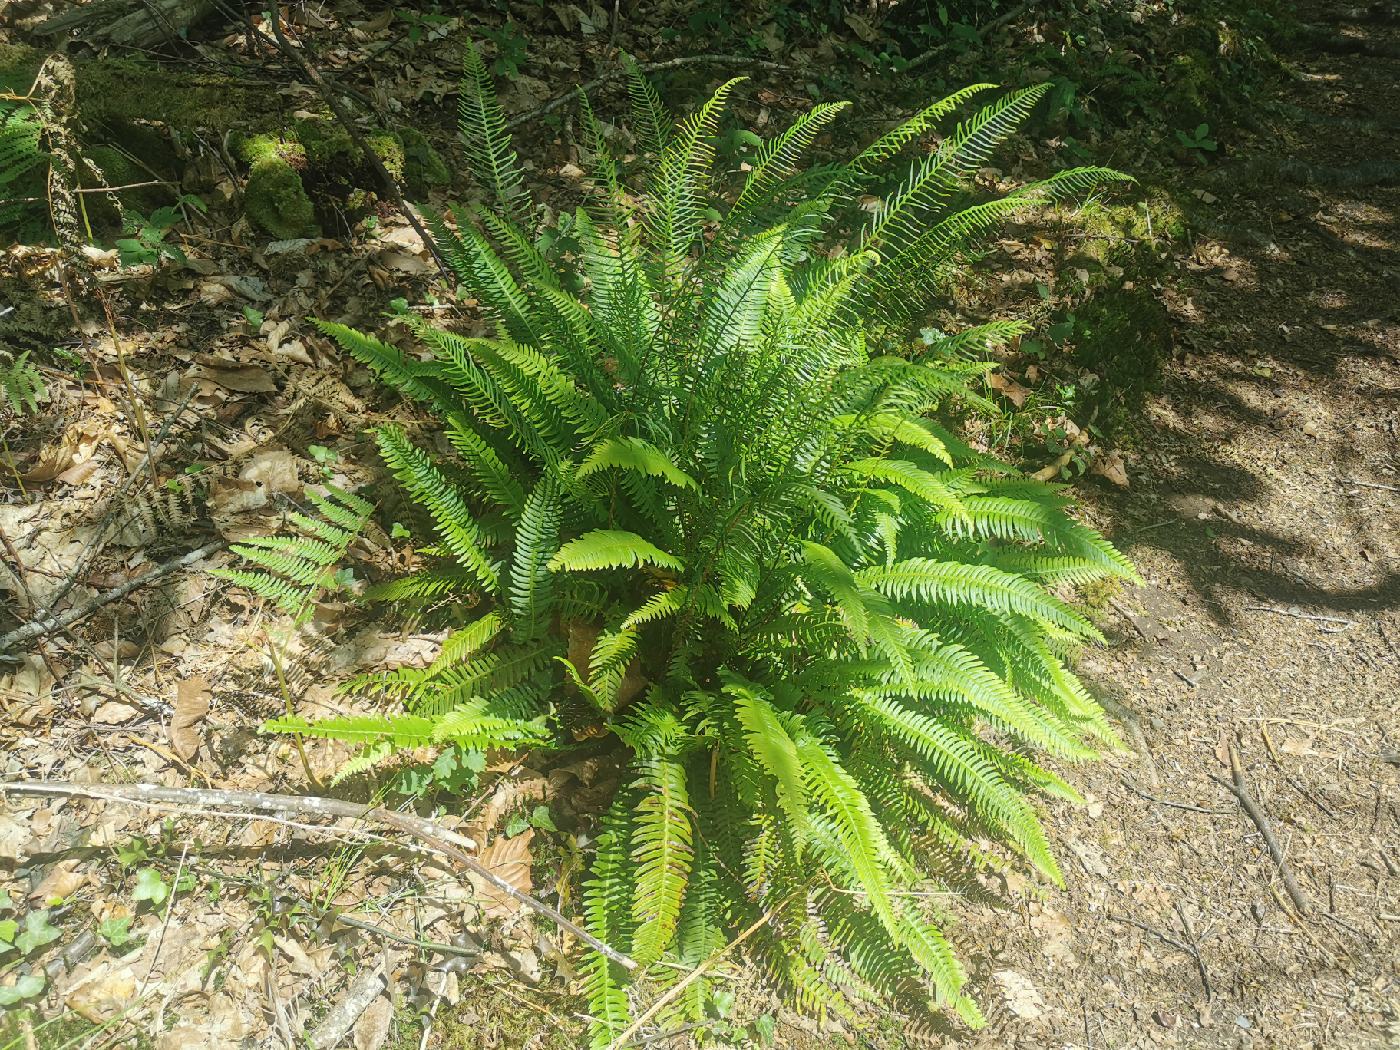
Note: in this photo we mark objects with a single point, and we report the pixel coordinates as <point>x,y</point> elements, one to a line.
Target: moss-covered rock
<point>423,166</point>
<point>274,197</point>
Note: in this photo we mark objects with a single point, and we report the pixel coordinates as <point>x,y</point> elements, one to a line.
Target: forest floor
<point>1262,467</point>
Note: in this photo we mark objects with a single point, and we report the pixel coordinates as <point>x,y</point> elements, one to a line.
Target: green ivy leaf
<point>115,932</point>
<point>150,887</point>
<point>516,825</point>
<point>8,929</point>
<point>38,931</point>
<point>28,986</point>
<point>541,819</point>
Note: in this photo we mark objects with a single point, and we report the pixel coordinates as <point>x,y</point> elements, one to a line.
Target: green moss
<point>119,91</point>
<point>423,165</point>
<point>326,143</point>
<point>389,148</point>
<point>274,197</point>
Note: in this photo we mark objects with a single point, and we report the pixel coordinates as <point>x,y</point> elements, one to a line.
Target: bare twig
<point>646,67</point>
<point>380,931</point>
<point>1261,821</point>
<point>1373,485</point>
<point>694,975</point>
<point>1181,946</point>
<point>1298,615</point>
<point>439,839</point>
<point>48,624</point>
<point>1166,802</point>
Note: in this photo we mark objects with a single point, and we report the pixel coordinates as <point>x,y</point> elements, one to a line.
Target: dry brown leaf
<point>507,859</point>
<point>114,712</point>
<point>191,705</point>
<point>243,377</point>
<point>78,445</point>
<point>62,880</point>
<point>1008,387</point>
<point>1110,465</point>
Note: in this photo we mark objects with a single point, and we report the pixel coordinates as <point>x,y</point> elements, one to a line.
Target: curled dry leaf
<point>1008,388</point>
<point>75,448</point>
<point>1110,465</point>
<point>243,377</point>
<point>191,705</point>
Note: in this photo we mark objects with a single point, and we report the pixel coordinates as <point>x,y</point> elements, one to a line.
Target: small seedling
<point>116,932</point>
<point>145,244</point>
<point>1198,140</point>
<point>151,887</point>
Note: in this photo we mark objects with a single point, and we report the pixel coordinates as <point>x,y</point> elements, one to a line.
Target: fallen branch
<point>439,839</point>
<point>48,624</point>
<point>1261,821</point>
<point>1299,615</point>
<point>337,1024</point>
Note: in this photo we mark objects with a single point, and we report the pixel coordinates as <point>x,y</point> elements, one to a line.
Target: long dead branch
<point>48,624</point>
<point>439,839</point>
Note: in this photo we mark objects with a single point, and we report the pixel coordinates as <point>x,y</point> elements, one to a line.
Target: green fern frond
<point>611,549</point>
<point>295,571</point>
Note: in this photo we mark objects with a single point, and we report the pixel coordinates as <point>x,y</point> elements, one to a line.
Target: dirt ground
<point>1263,517</point>
<point>1264,470</point>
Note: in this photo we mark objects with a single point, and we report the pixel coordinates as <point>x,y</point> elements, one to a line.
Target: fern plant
<point>21,385</point>
<point>707,504</point>
<point>23,163</point>
<point>293,571</point>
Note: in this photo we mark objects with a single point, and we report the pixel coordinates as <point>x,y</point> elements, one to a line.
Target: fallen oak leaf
<point>191,705</point>
<point>1008,388</point>
<point>1110,465</point>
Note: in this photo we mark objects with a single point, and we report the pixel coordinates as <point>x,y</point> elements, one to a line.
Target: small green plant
<point>146,243</point>
<point>510,50</point>
<point>1197,140</point>
<point>21,385</point>
<point>295,571</point>
<point>116,932</point>
<point>23,939</point>
<point>707,501</point>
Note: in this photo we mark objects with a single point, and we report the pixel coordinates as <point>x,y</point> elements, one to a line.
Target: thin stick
<point>694,975</point>
<point>1261,821</point>
<point>1166,802</point>
<point>1181,946</point>
<point>169,908</point>
<point>380,931</point>
<point>47,625</point>
<point>1372,485</point>
<point>1298,615</point>
<point>439,839</point>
